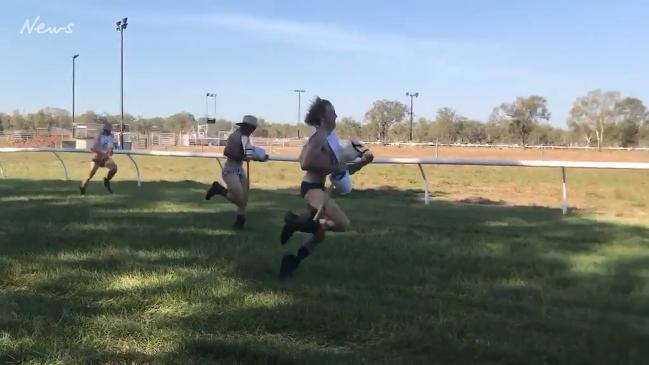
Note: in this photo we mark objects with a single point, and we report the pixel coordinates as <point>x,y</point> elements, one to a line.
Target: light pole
<point>73,67</point>
<point>411,95</point>
<point>214,95</point>
<point>208,95</point>
<point>299,103</point>
<point>121,26</point>
<point>207,113</point>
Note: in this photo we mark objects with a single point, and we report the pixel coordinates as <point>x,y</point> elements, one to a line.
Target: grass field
<point>155,275</point>
<point>610,194</point>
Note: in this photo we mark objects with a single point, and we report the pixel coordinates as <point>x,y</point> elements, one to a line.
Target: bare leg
<point>112,169</point>
<point>332,218</point>
<point>93,170</point>
<point>237,194</point>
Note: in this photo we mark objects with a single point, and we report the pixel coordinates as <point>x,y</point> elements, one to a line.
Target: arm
<point>366,159</point>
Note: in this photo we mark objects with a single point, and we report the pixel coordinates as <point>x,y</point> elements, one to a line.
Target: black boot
<point>107,185</point>
<point>294,223</point>
<point>290,226</point>
<point>240,222</point>
<point>215,189</point>
<point>289,265</point>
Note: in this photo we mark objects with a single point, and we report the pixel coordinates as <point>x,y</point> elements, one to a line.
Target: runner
<point>320,157</point>
<point>103,149</point>
<point>237,150</point>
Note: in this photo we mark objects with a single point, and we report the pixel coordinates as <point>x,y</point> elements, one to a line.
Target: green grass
<point>155,275</point>
<point>621,195</point>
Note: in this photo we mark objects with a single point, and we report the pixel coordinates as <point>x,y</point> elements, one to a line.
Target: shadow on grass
<point>155,275</point>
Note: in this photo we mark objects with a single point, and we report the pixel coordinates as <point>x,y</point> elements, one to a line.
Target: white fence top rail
<point>392,160</point>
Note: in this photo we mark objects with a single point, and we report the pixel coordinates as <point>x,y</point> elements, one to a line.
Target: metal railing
<point>563,165</point>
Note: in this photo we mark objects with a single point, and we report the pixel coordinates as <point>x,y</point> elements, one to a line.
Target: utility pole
<point>121,26</point>
<point>73,71</point>
<point>299,103</point>
<point>411,95</point>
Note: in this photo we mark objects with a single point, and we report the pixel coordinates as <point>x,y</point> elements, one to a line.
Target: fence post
<point>221,165</point>
<point>564,204</point>
<point>65,169</point>
<point>137,170</point>
<point>2,171</point>
<point>248,173</point>
<point>426,194</point>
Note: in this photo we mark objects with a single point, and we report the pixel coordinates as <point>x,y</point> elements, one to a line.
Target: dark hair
<point>316,111</point>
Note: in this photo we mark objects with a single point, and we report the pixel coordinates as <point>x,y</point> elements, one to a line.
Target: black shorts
<point>306,186</point>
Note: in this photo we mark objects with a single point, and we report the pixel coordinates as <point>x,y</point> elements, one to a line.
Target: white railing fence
<point>563,165</point>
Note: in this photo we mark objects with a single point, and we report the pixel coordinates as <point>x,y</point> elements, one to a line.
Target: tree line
<point>599,118</point>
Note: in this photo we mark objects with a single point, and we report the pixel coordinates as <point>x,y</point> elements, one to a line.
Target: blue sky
<point>468,55</point>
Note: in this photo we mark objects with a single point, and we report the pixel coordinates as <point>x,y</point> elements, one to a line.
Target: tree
<point>643,135</point>
<point>179,122</point>
<point>582,130</point>
<point>422,131</point>
<point>630,115</point>
<point>546,135</point>
<point>5,122</point>
<point>627,133</point>
<point>19,122</point>
<point>522,115</point>
<point>594,113</point>
<point>145,125</point>
<point>48,118</point>
<point>471,131</point>
<point>447,125</point>
<point>383,115</point>
<point>348,128</point>
<point>399,131</point>
<point>497,131</point>
<point>86,118</point>
<point>219,126</point>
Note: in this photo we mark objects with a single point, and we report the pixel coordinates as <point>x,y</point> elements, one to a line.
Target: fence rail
<point>563,165</point>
